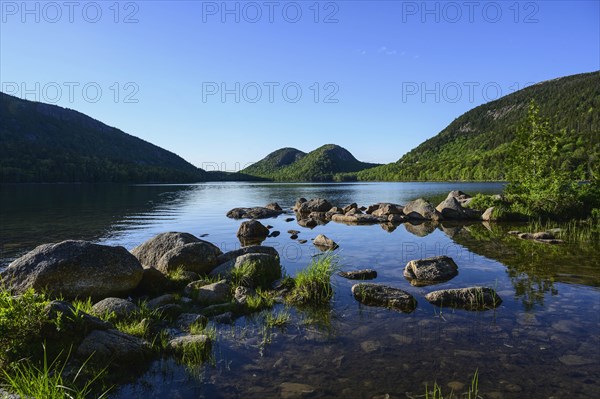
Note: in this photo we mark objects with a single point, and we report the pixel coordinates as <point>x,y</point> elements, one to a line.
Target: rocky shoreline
<point>173,285</point>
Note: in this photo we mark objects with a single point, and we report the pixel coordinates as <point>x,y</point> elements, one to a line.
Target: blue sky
<point>224,83</point>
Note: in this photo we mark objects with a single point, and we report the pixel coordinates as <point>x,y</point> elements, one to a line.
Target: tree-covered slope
<point>47,143</point>
<point>327,163</point>
<point>475,146</point>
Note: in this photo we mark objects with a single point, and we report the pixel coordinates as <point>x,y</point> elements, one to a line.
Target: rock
<point>253,249</point>
<point>429,271</point>
<point>261,270</point>
<point>456,386</point>
<point>357,219</point>
<point>293,390</point>
<point>241,294</point>
<point>473,298</point>
<point>514,232</point>
<point>224,318</point>
<point>197,257</point>
<point>302,241</point>
<point>314,205</point>
<point>153,282</point>
<point>525,236</point>
<point>193,286</point>
<point>459,196</point>
<point>293,236</point>
<point>274,206</point>
<point>543,235</point>
<point>74,324</point>
<point>354,211</point>
<point>289,219</point>
<point>254,213</point>
<point>150,252</point>
<point>488,215</point>
<point>293,232</point>
<point>371,208</point>
<point>370,346</point>
<point>310,223</point>
<point>252,229</point>
<point>334,211</point>
<point>113,346</point>
<point>396,218</point>
<point>75,269</point>
<point>318,216</point>
<point>450,208</point>
<point>156,303</point>
<point>381,295</point>
<point>299,203</point>
<point>421,209</point>
<point>170,311</point>
<point>324,243</point>
<point>274,234</point>
<point>120,308</point>
<point>186,320</point>
<point>348,208</point>
<point>179,344</point>
<point>218,292</point>
<point>386,209</point>
<point>364,274</point>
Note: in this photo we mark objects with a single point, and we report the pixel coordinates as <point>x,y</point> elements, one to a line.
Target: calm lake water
<point>542,342</point>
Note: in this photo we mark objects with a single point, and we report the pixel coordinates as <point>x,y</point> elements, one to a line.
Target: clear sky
<point>225,83</point>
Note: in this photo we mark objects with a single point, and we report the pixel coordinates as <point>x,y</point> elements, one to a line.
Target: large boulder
<point>153,282</point>
<point>450,208</point>
<point>104,346</point>
<point>258,212</point>
<point>381,295</point>
<point>150,252</point>
<point>197,257</point>
<point>473,298</point>
<point>459,196</point>
<point>314,205</point>
<point>118,307</point>
<point>421,209</point>
<point>421,272</point>
<point>75,269</point>
<point>252,229</point>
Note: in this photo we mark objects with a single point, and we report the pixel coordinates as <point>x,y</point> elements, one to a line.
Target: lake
<point>542,342</point>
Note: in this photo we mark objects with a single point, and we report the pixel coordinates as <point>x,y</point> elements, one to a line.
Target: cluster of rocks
<point>111,276</point>
<point>423,272</point>
<point>318,211</point>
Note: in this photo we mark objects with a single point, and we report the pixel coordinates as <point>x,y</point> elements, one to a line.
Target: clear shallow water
<point>543,341</point>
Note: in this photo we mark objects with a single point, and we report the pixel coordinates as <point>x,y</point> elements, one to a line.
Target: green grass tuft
<point>313,284</point>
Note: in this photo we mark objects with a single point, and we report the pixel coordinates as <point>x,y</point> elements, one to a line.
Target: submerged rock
<point>310,223</point>
<point>179,344</point>
<point>75,269</point>
<point>384,296</point>
<point>324,243</point>
<point>473,298</point>
<point>364,274</point>
<point>259,212</point>
<point>429,271</point>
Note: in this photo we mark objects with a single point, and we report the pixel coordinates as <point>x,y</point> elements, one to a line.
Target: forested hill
<point>47,143</point>
<point>327,163</point>
<point>475,146</point>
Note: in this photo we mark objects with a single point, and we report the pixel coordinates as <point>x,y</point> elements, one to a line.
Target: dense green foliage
<point>327,163</point>
<point>46,143</point>
<point>21,320</point>
<point>477,145</point>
